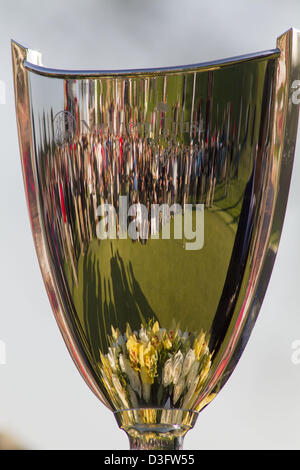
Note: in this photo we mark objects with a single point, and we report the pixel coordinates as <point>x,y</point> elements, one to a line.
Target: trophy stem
<point>149,441</point>
<point>156,428</point>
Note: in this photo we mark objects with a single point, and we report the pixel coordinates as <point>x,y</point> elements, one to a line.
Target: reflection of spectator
<point>111,158</point>
<point>154,227</point>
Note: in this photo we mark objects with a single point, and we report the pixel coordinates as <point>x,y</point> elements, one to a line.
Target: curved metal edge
<point>33,64</point>
<point>24,128</point>
<point>284,136</point>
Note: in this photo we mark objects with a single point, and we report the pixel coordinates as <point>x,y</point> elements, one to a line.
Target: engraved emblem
<point>64,125</point>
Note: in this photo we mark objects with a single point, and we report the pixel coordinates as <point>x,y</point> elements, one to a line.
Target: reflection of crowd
<point>98,164</point>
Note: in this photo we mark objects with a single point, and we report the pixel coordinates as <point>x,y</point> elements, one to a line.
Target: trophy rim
<point>33,63</point>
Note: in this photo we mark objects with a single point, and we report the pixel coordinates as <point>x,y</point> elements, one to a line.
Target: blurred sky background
<point>44,403</point>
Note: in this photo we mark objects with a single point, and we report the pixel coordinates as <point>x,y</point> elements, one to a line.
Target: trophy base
<point>156,428</point>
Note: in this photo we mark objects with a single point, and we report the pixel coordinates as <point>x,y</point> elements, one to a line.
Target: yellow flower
<point>155,328</point>
<point>167,343</point>
<point>148,361</point>
<point>200,345</point>
<point>145,377</point>
<point>115,333</point>
<point>137,354</point>
<point>156,342</point>
<point>205,371</point>
<point>128,331</point>
<point>106,365</point>
<point>133,347</point>
<point>173,334</point>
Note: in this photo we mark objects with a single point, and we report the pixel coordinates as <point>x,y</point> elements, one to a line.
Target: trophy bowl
<point>156,199</point>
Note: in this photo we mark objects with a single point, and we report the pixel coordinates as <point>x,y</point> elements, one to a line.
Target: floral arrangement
<point>155,367</point>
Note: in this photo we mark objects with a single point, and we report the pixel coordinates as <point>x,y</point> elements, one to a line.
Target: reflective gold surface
<point>156,322</point>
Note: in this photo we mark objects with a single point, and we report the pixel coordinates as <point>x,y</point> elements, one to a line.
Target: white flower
<point>143,336</point>
<point>189,398</point>
<point>168,372</point>
<point>188,361</point>
<point>146,391</point>
<point>172,369</point>
<point>146,385</point>
<point>132,375</point>
<point>119,390</point>
<point>132,396</point>
<point>122,362</point>
<point>192,373</point>
<point>112,360</point>
<point>177,366</point>
<point>178,389</point>
<point>134,381</point>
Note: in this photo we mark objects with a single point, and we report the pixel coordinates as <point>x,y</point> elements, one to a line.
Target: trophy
<point>156,199</point>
